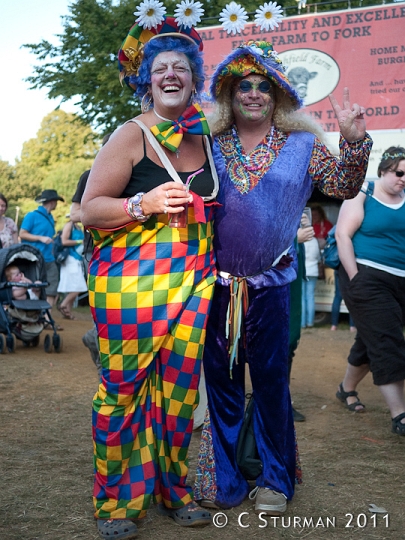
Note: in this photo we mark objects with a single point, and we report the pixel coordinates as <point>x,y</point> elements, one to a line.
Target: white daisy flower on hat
<point>150,13</point>
<point>268,16</point>
<point>188,13</point>
<point>233,18</point>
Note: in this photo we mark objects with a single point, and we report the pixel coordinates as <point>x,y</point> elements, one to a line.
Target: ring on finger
<point>166,203</point>
<point>167,195</point>
<point>165,211</point>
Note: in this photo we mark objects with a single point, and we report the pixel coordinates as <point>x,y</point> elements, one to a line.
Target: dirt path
<point>349,460</point>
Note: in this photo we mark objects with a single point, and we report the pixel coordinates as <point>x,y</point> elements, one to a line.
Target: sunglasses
<point>400,174</point>
<point>264,87</point>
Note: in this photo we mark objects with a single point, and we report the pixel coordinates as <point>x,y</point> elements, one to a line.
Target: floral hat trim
<point>152,22</point>
<point>253,57</point>
<point>234,17</point>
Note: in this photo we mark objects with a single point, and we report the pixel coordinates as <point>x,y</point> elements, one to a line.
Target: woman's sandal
<point>207,503</point>
<point>397,426</point>
<point>342,396</point>
<point>117,529</point>
<point>190,515</point>
<point>66,313</point>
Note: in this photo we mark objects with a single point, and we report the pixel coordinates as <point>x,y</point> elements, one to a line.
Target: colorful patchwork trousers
<point>150,289</point>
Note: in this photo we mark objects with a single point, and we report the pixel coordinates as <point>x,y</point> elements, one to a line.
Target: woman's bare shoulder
<point>124,144</point>
<point>130,131</point>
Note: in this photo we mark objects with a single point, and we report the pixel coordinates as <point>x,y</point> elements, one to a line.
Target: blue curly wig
<point>163,44</point>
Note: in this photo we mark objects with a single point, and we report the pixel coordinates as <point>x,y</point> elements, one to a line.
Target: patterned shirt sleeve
<point>340,176</point>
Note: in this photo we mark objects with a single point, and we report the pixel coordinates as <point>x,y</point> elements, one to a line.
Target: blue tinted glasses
<point>264,87</point>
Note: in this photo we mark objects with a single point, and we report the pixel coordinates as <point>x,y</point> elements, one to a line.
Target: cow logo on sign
<point>314,74</point>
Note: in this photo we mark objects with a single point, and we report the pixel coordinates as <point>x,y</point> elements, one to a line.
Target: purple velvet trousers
<point>265,349</point>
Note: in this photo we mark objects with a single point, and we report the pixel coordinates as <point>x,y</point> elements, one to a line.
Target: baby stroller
<point>24,319</point>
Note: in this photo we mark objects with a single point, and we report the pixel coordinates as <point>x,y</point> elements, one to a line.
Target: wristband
<point>133,208</point>
<point>125,206</point>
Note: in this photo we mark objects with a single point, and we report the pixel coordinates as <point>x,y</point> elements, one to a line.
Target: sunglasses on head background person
<point>264,87</point>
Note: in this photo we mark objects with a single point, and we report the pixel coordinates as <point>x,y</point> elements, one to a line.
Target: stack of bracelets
<point>132,206</point>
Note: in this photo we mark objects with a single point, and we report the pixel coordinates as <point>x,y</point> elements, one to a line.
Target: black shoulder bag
<point>247,456</point>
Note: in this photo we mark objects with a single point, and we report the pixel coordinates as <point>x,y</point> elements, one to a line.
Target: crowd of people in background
<point>68,280</point>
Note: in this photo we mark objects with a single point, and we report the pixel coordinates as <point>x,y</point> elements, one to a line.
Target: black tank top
<point>147,175</point>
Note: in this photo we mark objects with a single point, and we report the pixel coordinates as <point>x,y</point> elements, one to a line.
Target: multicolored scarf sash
<point>170,132</point>
<point>236,313</point>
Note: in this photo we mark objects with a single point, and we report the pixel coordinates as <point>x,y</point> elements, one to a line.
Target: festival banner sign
<point>363,49</point>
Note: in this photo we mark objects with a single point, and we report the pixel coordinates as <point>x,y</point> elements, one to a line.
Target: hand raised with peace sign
<point>350,118</point>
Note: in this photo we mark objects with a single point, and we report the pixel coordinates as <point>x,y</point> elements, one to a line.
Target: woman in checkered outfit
<point>150,284</point>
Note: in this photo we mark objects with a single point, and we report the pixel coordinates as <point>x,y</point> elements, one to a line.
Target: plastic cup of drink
<point>180,220</point>
<point>306,220</point>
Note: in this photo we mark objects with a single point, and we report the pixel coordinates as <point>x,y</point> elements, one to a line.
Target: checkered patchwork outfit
<point>150,288</point>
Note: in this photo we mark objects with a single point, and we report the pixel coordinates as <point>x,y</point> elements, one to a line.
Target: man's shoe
<point>268,501</point>
<point>298,417</point>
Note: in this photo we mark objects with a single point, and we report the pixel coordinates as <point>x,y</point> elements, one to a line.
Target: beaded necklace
<point>260,159</point>
<point>256,160</point>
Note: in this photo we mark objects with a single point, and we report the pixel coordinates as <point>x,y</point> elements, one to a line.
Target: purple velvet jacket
<point>253,229</point>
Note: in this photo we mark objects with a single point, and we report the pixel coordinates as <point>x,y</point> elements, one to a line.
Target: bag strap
<point>208,146</point>
<point>167,163</point>
<point>159,151</point>
<point>45,216</point>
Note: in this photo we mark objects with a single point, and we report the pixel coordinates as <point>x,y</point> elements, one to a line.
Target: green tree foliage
<point>55,159</point>
<point>61,137</point>
<point>9,187</point>
<point>84,65</point>
<point>7,178</point>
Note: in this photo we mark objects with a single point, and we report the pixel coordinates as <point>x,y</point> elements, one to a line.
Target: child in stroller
<point>24,310</point>
<point>20,292</point>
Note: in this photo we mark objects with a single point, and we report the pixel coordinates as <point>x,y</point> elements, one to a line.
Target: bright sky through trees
<point>21,109</point>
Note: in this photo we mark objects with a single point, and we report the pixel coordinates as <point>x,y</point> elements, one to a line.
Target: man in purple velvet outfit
<point>269,157</point>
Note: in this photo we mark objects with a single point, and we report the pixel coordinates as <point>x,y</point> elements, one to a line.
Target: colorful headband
<point>152,23</point>
<point>386,155</point>
<point>253,57</point>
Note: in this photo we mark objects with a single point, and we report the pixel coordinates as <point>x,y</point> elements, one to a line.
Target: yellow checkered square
<point>101,284</point>
<point>161,282</point>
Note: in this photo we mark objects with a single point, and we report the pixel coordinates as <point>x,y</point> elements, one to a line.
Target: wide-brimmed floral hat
<point>253,57</point>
